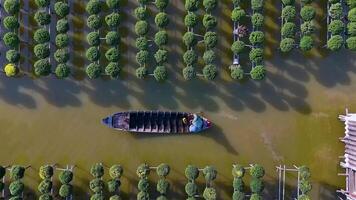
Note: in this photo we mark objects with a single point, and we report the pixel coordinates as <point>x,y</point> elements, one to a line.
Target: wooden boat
<point>152,122</point>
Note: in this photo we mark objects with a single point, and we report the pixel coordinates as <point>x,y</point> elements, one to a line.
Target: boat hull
<point>153,122</point>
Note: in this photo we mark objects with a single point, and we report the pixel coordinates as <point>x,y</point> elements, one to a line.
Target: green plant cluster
<point>163,185</point>
<point>112,39</point>
<point>209,22</point>
<point>61,55</point>
<point>304,183</point>
<point>191,188</point>
<point>161,39</point>
<point>97,184</point>
<point>142,172</point>
<point>46,184</point>
<point>94,22</point>
<point>336,26</point>
<point>11,38</point>
<point>210,173</point>
<point>65,178</point>
<point>42,67</point>
<point>351,26</point>
<point>288,28</point>
<point>307,15</point>
<point>256,185</point>
<point>238,172</point>
<point>114,183</point>
<point>16,187</point>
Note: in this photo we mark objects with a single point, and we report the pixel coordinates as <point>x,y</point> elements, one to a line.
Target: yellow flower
<point>10,70</point>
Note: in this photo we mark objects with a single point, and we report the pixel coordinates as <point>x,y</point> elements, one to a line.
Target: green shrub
<point>161,56</point>
<point>96,185</point>
<point>93,7</point>
<point>210,172</point>
<point>93,70</point>
<point>190,20</point>
<point>45,197</point>
<point>113,184</point>
<point>210,5</point>
<point>161,20</point>
<point>113,20</point>
<point>161,4</point>
<point>61,9</point>
<point>113,4</point>
<point>62,25</point>
<point>258,72</point>
<point>189,73</point>
<point>307,28</point>
<point>289,13</point>
<point>62,71</point>
<point>12,56</point>
<point>191,189</point>
<point>143,196</point>
<point>92,54</point>
<point>17,172</point>
<point>191,172</point>
<point>112,38</point>
<point>65,190</point>
<point>191,5</point>
<point>12,6</point>
<point>209,56</point>
<point>351,16</point>
<point>141,28</point>
<point>335,43</point>
<point>238,14</point>
<point>65,177</point>
<point>288,30</point>
<point>112,54</point>
<point>115,197</point>
<point>94,22</point>
<point>351,28</point>
<point>160,73</point>
<point>238,171</point>
<point>113,70</point>
<point>351,43</point>
<point>210,72</point>
<point>256,5</point>
<point>335,11</point>
<point>307,13</point>
<point>161,38</point>
<point>97,197</point>
<point>255,197</point>
<point>304,197</point>
<point>209,193</point>
<point>16,188</point>
<point>287,45</point>
<point>61,55</point>
<point>238,184</point>
<point>41,51</point>
<point>141,13</point>
<point>256,186</point>
<point>93,38</point>
<point>190,57</point>
<point>45,186</point>
<point>336,27</point>
<point>257,37</point>
<point>162,186</point>
<point>238,195</point>
<point>11,40</point>
<point>143,184</point>
<point>306,43</point>
<point>62,40</point>
<point>305,186</point>
<point>237,73</point>
<point>11,23</point>
<point>141,72</point>
<point>42,3</point>
<point>142,43</point>
<point>351,3</point>
<point>142,57</point>
<point>143,170</point>
<point>42,67</point>
<point>210,39</point>
<point>256,55</point>
<point>189,39</point>
<point>288,2</point>
<point>257,171</point>
<point>209,21</point>
<point>238,47</point>
<point>116,171</point>
<point>257,20</point>
<point>42,18</point>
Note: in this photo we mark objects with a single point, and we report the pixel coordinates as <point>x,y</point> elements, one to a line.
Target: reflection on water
<point>288,118</point>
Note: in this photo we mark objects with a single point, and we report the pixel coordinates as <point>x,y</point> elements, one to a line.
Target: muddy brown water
<point>289,118</point>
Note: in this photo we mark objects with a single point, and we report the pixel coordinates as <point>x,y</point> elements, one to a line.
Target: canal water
<point>288,118</point>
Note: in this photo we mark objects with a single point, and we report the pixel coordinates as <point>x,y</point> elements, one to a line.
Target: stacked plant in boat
<point>256,39</point>
<point>11,37</point>
<point>336,30</point>
<point>256,185</point>
<point>307,15</point>
<point>141,29</point>
<point>162,171</point>
<point>161,39</point>
<point>46,184</point>
<point>16,187</point>
<point>191,188</point>
<point>210,174</point>
<point>65,178</point>
<point>190,57</point>
<point>113,39</point>
<point>61,55</point>
<point>288,26</point>
<point>304,183</point>
<point>94,22</point>
<point>142,172</point>
<point>238,173</point>
<point>42,66</point>
<point>210,39</point>
<point>97,184</point>
<point>114,183</point>
<point>351,25</point>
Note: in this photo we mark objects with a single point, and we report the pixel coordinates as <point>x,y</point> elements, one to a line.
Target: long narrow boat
<point>153,122</point>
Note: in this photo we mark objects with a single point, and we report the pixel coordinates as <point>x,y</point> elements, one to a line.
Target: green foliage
<point>112,38</point>
<point>116,171</point>
<point>191,5</point>
<point>62,26</point>
<point>255,197</point>
<point>143,184</point>
<point>113,70</point>
<point>141,28</point>
<point>256,186</point>
<point>93,70</point>
<point>306,1</point>
<point>161,38</point>
<point>238,171</point>
<point>304,172</point>
<point>335,43</point>
<point>12,7</point>
<point>190,57</point>
<point>93,7</point>
<point>258,72</point>
<point>256,55</point>
<point>351,28</point>
<point>189,73</point>
<point>42,3</point>
<point>209,21</point>
<point>336,27</point>
<point>161,56</point>
<point>190,20</point>
<point>238,184</point>
<point>142,57</point>
<point>209,56</point>
<point>141,72</point>
<point>257,20</point>
<point>191,172</point>
<point>143,2</point>
<point>16,198</point>
<point>189,39</point>
<point>335,11</point>
<point>97,197</point>
<point>65,177</point>
<point>45,186</point>
<point>161,19</point>
<point>94,22</point>
<point>210,39</point>
<point>288,2</point>
<point>42,67</point>
<point>257,37</point>
<point>96,185</point>
<point>238,47</point>
<point>161,4</point>
<point>62,40</point>
<point>210,172</point>
<point>162,186</point>
<point>236,2</point>
<point>237,73</point>
<point>307,13</point>
<point>61,55</point>
<point>351,16</point>
<point>11,23</point>
<point>115,197</point>
<point>306,43</point>
<point>113,4</point>
<point>92,54</point>
<point>307,28</point>
<point>112,54</point>
<point>288,30</point>
<point>209,193</point>
<point>62,71</point>
<point>143,196</point>
<point>16,188</point>
<point>287,45</point>
<point>351,3</point>
<point>305,186</point>
<point>238,14</point>
<point>257,5</point>
<point>162,197</point>
<point>45,197</point>
<point>17,172</point>
<point>160,73</point>
<point>289,13</point>
<point>93,38</point>
<point>210,72</point>
<point>238,195</point>
<point>304,197</point>
<point>65,190</point>
<point>142,43</point>
<point>11,40</point>
<point>113,20</point>
<point>191,189</point>
<point>41,51</point>
<point>61,9</point>
<point>143,170</point>
<point>12,56</point>
<point>210,5</point>
<point>257,171</point>
<point>141,13</point>
<point>351,43</point>
<point>42,18</point>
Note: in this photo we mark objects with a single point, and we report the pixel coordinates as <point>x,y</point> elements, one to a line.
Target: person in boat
<point>196,124</point>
